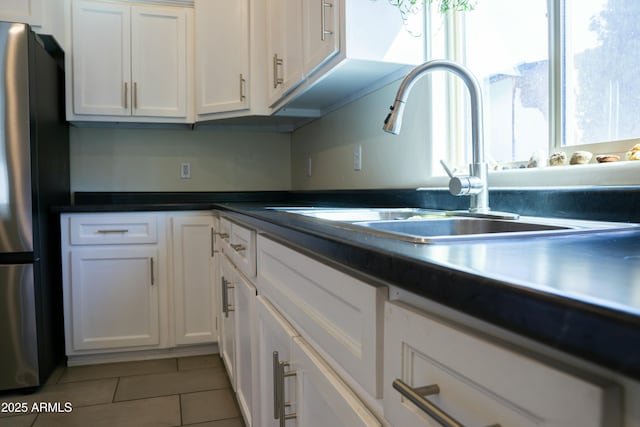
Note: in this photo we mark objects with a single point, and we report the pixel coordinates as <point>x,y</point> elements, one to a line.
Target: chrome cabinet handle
<point>152,273</point>
<point>126,95</point>
<point>223,236</point>
<point>223,285</point>
<point>226,307</point>
<point>276,63</point>
<point>213,242</point>
<point>279,404</point>
<point>135,95</point>
<point>118,231</point>
<point>242,84</point>
<point>238,247</point>
<point>323,20</point>
<point>417,397</point>
<point>276,386</point>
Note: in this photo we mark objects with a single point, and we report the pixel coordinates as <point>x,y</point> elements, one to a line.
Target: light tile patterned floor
<point>193,391</point>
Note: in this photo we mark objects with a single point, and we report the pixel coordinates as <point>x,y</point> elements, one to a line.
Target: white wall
<point>113,159</point>
<point>388,161</point>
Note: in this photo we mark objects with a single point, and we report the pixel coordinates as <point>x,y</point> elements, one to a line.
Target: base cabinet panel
<point>481,383</point>
<point>115,298</point>
<point>311,393</point>
<point>245,296</point>
<point>274,339</point>
<point>322,399</point>
<point>227,320</point>
<point>195,296</point>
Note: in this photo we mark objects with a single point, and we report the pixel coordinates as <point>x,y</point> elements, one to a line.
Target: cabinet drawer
<point>482,383</point>
<point>113,229</point>
<point>340,314</point>
<point>239,244</point>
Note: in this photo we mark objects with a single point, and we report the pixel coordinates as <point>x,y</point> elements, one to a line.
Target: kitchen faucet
<point>475,184</point>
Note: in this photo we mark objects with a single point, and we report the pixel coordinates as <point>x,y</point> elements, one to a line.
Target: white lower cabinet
<point>297,387</point>
<point>227,319</point>
<point>138,285</point>
<point>273,345</point>
<point>194,289</point>
<point>237,335</point>
<point>114,298</point>
<point>477,382</point>
<point>342,315</point>
<point>245,299</point>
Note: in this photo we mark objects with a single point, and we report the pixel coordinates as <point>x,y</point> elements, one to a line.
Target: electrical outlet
<point>185,170</point>
<point>357,158</point>
<point>309,165</point>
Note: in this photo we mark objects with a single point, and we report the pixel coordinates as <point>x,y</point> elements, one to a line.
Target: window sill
<point>593,174</point>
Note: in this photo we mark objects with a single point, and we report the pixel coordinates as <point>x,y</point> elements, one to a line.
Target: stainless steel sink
<point>433,226</point>
<point>362,214</point>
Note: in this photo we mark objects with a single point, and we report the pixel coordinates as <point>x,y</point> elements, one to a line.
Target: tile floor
<point>190,391</point>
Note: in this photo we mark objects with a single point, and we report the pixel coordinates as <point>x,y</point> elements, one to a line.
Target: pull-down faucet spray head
<point>475,184</point>
<point>393,122</point>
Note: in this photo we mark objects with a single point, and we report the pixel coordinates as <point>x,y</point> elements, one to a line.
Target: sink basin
<point>454,228</point>
<point>434,226</point>
<point>363,214</point>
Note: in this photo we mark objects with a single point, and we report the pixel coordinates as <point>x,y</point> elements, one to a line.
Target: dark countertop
<point>579,294</point>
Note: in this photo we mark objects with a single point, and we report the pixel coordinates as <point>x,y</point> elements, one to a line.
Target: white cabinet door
<point>101,58</point>
<point>227,319</point>
<point>274,336</point>
<point>315,394</point>
<point>159,61</point>
<point>284,47</point>
<point>322,399</point>
<point>27,11</point>
<point>321,37</point>
<point>222,55</point>
<point>481,383</point>
<point>195,302</point>
<point>245,298</point>
<point>114,297</point>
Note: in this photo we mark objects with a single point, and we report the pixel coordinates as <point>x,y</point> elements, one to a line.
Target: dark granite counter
<point>579,294</point>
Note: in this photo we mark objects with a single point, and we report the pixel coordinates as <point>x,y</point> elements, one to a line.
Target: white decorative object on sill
<point>634,153</point>
<point>558,159</point>
<point>538,159</point>
<point>580,157</point>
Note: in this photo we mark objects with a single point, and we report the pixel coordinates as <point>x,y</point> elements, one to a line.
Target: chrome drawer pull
<point>226,307</point>
<point>323,20</point>
<point>124,230</point>
<point>416,396</point>
<point>223,235</point>
<point>238,247</point>
<point>282,405</point>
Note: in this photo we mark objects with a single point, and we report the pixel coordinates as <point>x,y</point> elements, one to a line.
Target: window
<point>555,75</point>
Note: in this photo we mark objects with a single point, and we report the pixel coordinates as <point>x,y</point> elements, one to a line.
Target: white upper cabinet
<point>321,36</point>
<point>222,56</point>
<point>130,63</point>
<point>27,11</point>
<point>284,36</point>
<point>159,62</point>
<point>102,58</point>
<point>366,46</point>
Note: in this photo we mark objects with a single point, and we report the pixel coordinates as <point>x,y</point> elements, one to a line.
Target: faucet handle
<point>462,185</point>
<point>446,168</point>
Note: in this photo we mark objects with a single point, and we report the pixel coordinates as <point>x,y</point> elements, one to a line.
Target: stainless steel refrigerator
<point>34,175</point>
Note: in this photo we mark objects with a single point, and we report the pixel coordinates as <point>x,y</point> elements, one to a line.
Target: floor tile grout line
<point>115,390</point>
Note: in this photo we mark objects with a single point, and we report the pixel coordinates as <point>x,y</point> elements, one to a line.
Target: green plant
<point>412,6</point>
